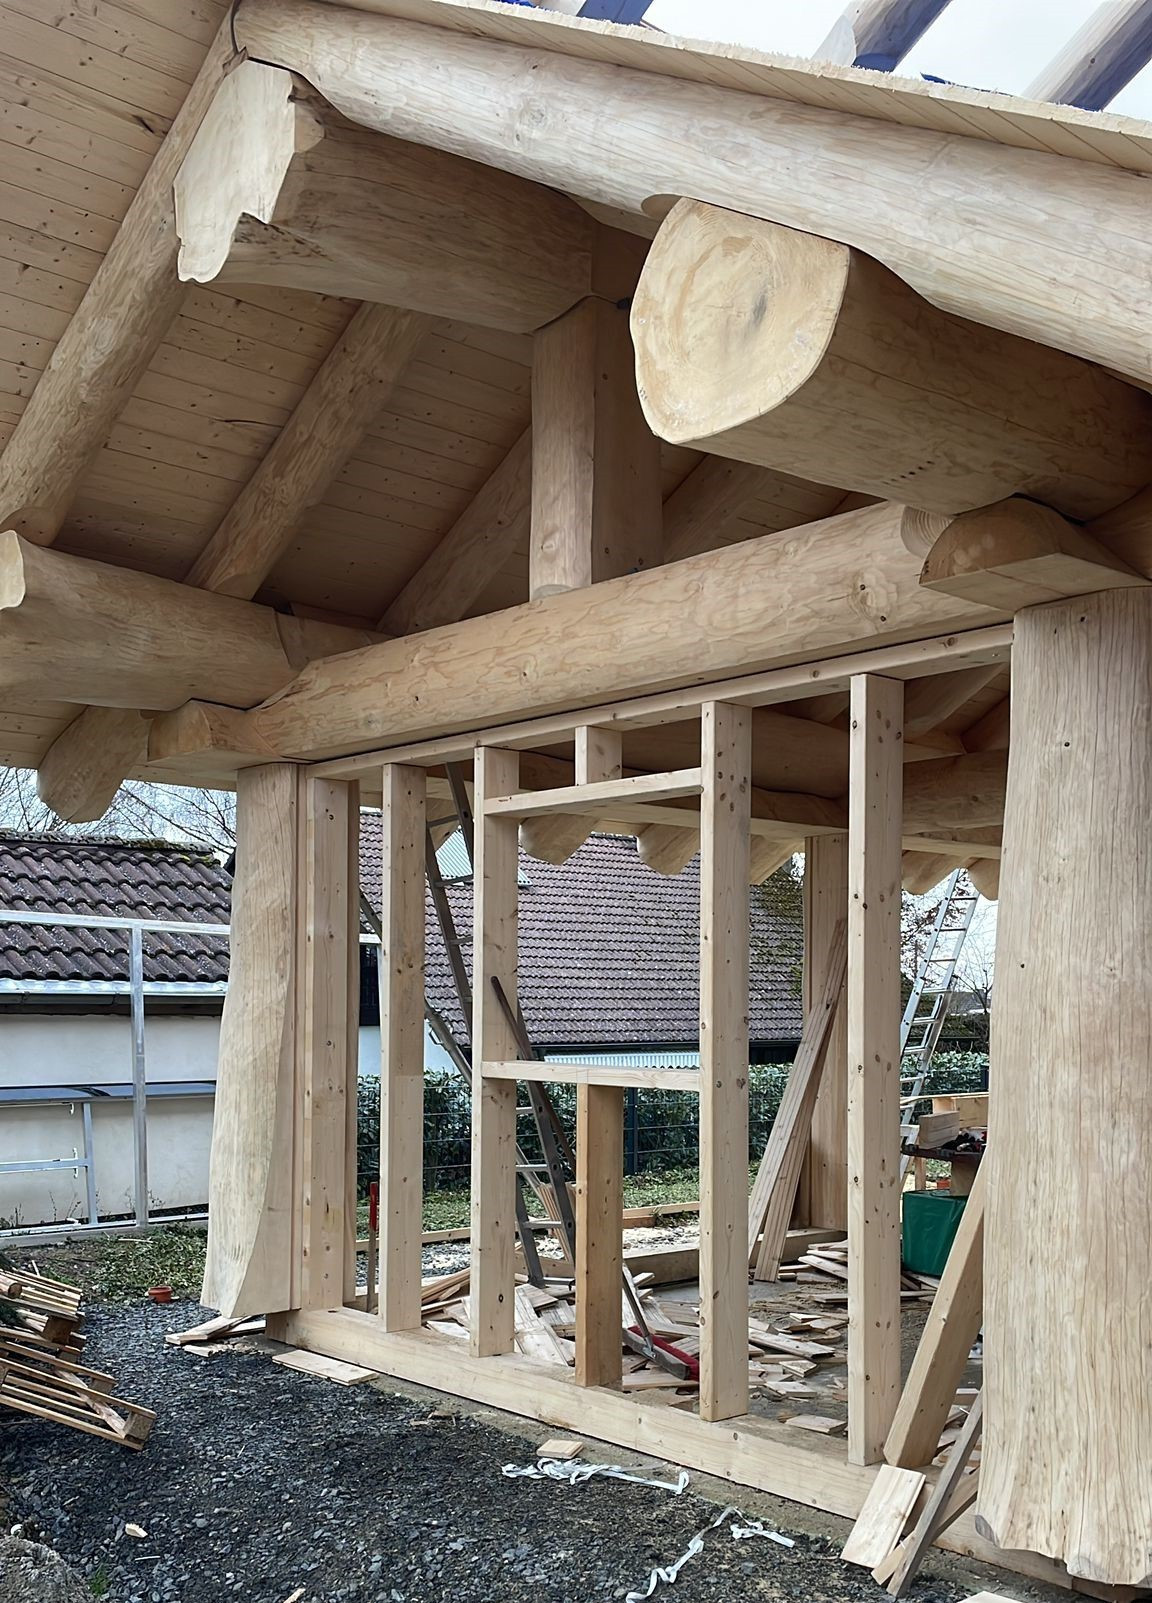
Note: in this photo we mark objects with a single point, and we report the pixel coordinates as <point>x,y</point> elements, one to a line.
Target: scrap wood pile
<point>40,1369</point>
<point>214,1335</point>
<point>661,1356</point>
<point>826,1265</point>
<point>905,1512</point>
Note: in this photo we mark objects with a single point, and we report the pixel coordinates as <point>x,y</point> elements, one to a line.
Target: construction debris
<point>40,1375</point>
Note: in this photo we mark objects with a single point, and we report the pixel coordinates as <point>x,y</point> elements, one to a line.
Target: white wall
<point>91,1049</point>
<point>87,1049</point>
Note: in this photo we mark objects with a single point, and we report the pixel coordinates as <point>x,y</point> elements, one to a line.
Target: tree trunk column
<point>1067,1461</point>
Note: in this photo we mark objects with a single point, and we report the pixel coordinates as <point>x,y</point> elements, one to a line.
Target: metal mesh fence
<point>661,1131</point>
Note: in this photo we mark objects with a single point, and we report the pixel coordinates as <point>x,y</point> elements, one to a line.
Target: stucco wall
<point>91,1049</point>
<point>50,1049</point>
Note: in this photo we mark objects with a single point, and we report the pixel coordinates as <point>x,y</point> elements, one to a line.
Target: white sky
<point>986,44</point>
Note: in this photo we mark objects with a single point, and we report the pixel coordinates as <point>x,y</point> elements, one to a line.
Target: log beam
<point>251,1266</point>
<point>88,761</point>
<point>771,346</point>
<point>794,596</point>
<point>878,34</point>
<point>278,188</point>
<point>110,339</point>
<point>1047,247</point>
<point>74,630</point>
<point>1106,52</point>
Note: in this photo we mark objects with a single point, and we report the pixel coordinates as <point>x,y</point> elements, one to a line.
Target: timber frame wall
<point>392,383</point>
<point>725,1440</point>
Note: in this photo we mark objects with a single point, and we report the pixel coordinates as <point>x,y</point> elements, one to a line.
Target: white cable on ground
<point>572,1471</point>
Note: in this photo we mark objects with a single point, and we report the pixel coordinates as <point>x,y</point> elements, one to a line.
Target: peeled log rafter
<point>878,34</point>
<point>1067,1452</point>
<point>771,346</point>
<point>973,785</point>
<point>1044,246</point>
<point>74,630</point>
<point>280,189</point>
<point>794,596</point>
<point>984,872</point>
<point>666,849</point>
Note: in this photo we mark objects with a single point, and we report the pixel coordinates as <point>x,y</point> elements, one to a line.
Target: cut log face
<point>775,347</point>
<point>279,189</point>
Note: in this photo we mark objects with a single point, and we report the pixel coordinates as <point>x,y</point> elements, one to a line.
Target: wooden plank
<point>725,756</point>
<point>493,1101</point>
<point>592,1074</point>
<point>607,793</point>
<point>403,819</point>
<point>886,1511</point>
<point>774,1189</point>
<point>873,1020</point>
<point>135,294</point>
<point>329,966</point>
<point>947,1499</point>
<point>822,1196</point>
<point>460,566</point>
<point>335,1369</point>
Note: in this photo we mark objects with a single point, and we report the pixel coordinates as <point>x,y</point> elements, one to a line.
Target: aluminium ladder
<point>935,983</point>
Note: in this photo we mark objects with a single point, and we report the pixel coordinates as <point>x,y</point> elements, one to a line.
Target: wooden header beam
<point>835,584</point>
<point>1051,248</point>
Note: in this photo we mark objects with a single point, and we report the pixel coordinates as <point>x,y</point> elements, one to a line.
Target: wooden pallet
<point>35,1380</point>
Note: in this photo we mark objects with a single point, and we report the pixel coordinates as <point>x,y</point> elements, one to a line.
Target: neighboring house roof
<point>119,879</point>
<point>609,949</point>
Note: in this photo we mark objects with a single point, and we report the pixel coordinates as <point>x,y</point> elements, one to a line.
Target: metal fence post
<point>139,1076</point>
<point>631,1131</point>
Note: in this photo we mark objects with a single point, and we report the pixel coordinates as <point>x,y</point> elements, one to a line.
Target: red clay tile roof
<point>123,879</point>
<point>608,948</point>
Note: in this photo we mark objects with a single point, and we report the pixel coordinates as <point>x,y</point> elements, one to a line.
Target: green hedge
<point>661,1131</point>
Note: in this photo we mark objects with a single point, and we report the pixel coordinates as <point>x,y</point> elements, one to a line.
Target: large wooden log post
<point>771,346</point>
<point>84,631</point>
<point>822,1200</point>
<point>280,189</point>
<point>1067,1464</point>
<point>404,814</point>
<point>596,504</point>
<point>251,1266</point>
<point>1045,246</point>
<point>725,757</point>
<point>873,1028</point>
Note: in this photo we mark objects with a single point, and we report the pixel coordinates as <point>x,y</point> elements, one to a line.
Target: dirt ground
<point>258,1482</point>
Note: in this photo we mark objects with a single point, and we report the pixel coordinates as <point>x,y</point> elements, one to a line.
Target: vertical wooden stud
<point>401,1045</point>
<point>725,758</point>
<point>596,490</point>
<point>493,1101</point>
<point>873,992</point>
<point>326,1040</point>
<point>599,1164</point>
<point>823,1196</point>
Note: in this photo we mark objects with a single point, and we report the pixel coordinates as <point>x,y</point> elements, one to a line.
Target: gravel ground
<point>258,1481</point>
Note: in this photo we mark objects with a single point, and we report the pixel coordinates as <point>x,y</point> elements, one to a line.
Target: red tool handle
<point>373,1205</point>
